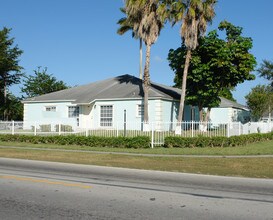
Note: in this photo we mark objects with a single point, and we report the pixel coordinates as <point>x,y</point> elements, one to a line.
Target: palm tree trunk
<point>140,58</point>
<point>146,82</point>
<point>208,114</point>
<point>183,92</point>
<point>200,109</point>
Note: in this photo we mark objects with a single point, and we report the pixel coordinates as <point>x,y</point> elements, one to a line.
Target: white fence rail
<point>157,131</point>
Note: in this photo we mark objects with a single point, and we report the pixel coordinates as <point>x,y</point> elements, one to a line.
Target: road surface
<point>46,190</point>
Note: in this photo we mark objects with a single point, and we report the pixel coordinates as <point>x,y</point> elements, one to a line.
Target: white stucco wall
<point>89,115</point>
<point>225,115</point>
<point>220,115</point>
<point>155,108</point>
<point>35,113</point>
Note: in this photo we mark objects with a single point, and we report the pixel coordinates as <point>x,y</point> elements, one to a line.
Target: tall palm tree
<point>126,25</point>
<point>148,29</point>
<point>195,15</point>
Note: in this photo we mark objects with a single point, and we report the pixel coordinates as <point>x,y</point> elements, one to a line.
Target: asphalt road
<point>44,190</point>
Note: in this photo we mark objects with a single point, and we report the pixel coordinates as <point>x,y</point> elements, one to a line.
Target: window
<point>50,108</point>
<point>140,110</point>
<point>74,112</point>
<point>106,115</point>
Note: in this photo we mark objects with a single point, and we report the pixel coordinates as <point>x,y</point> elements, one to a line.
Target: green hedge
<point>92,141</point>
<point>140,141</point>
<point>233,141</point>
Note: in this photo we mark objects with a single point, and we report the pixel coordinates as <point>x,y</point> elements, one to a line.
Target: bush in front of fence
<point>191,142</point>
<point>91,141</point>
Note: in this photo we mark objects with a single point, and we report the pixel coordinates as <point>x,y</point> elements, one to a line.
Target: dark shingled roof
<point>120,87</point>
<point>225,103</point>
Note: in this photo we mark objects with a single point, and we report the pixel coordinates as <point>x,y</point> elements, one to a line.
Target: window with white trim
<point>106,115</point>
<point>50,108</point>
<point>140,110</point>
<point>74,112</point>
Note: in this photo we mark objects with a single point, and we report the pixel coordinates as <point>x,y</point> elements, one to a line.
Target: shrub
<point>232,141</point>
<point>91,141</point>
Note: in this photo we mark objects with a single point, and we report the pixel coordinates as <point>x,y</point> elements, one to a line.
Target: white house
<point>267,116</point>
<point>104,104</point>
<point>229,111</point>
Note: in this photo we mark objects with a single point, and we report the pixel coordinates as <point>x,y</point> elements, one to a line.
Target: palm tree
<point>148,29</point>
<point>195,15</point>
<point>127,25</point>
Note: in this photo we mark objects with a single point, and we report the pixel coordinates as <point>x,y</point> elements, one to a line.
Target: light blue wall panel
<point>159,111</point>
<point>219,115</point>
<point>169,111</point>
<point>36,113</point>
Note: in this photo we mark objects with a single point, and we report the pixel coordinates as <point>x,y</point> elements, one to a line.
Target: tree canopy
<point>266,70</point>
<point>13,108</point>
<point>216,65</point>
<point>126,24</point>
<point>41,83</point>
<point>260,100</point>
<point>10,70</point>
<point>146,23</point>
<point>195,15</point>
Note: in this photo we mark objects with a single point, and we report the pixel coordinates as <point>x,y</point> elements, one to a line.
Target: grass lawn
<point>262,148</point>
<point>245,167</point>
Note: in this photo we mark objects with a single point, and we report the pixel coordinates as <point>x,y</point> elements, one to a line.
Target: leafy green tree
<point>127,24</point>
<point>13,107</point>
<point>10,70</point>
<point>148,29</point>
<point>216,66</point>
<point>226,93</point>
<point>266,71</point>
<point>260,100</point>
<point>41,83</point>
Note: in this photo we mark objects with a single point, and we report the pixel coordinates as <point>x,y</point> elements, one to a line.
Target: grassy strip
<point>261,148</point>
<point>244,167</point>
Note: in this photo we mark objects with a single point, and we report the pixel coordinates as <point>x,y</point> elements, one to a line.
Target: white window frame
<point>138,110</point>
<point>73,106</point>
<point>51,108</point>
<point>77,116</point>
<point>100,114</point>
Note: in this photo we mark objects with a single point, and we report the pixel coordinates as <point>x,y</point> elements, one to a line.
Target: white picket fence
<point>157,131</point>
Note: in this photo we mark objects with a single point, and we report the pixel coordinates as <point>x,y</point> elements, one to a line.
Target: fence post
<point>124,123</point>
<point>35,129</point>
<point>117,129</point>
<point>239,128</point>
<point>152,144</point>
<point>60,129</point>
<point>228,126</point>
<point>191,128</point>
<point>12,128</point>
<point>86,132</point>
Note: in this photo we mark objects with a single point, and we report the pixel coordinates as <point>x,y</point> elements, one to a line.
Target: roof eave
<point>45,101</point>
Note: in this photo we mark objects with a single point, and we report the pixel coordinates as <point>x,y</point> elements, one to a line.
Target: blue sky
<point>77,41</point>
